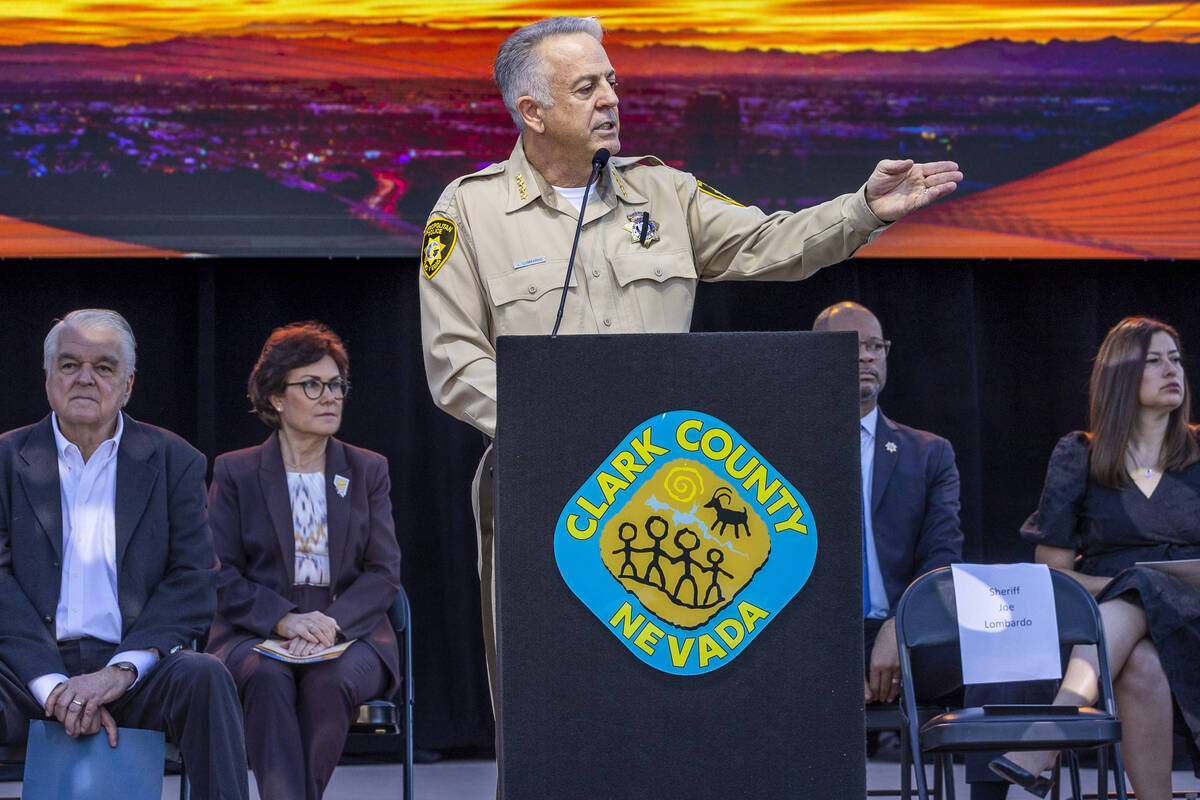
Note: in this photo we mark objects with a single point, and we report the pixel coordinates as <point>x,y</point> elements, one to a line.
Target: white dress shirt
<point>866,430</point>
<point>87,601</point>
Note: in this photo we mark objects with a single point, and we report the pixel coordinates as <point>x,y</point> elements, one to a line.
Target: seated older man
<point>107,569</point>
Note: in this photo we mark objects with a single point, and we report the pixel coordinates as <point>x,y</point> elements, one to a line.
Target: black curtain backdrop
<point>993,355</point>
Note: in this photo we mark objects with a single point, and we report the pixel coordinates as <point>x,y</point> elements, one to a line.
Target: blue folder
<point>58,767</point>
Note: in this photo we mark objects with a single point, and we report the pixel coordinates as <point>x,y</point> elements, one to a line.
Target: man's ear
<point>531,114</point>
<point>128,389</point>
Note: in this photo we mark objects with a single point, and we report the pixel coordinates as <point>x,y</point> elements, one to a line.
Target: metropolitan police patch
<point>438,244</point>
<point>685,543</point>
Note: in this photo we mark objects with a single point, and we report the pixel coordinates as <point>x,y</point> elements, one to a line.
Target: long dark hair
<point>1113,403</point>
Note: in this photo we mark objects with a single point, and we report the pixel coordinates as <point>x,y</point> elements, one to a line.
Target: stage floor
<point>476,780</point>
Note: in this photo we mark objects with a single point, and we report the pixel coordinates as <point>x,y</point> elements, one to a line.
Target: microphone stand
<point>598,162</point>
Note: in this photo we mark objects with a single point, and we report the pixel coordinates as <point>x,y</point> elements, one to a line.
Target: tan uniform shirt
<point>497,243</point>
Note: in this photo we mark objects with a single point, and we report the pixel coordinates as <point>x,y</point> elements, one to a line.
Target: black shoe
<point>1014,773</point>
<point>889,747</point>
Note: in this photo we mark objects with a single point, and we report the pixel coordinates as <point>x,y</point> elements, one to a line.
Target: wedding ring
<point>311,626</point>
<point>77,702</point>
<point>895,680</point>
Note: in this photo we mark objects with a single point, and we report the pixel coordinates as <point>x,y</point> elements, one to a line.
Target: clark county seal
<point>685,543</point>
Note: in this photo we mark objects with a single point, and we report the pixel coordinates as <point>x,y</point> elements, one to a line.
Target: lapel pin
<point>890,447</point>
<point>341,483</point>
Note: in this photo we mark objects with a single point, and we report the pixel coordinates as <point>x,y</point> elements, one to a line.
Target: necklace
<point>1143,470</point>
<point>316,464</point>
<point>316,460</point>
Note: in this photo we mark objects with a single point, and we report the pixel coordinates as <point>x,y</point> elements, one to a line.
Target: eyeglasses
<point>313,388</point>
<point>875,347</point>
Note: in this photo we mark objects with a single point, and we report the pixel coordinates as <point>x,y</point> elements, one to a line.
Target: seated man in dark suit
<point>910,526</point>
<point>107,568</point>
<point>910,502</point>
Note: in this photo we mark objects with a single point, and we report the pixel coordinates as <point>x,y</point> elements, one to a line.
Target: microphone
<point>598,161</point>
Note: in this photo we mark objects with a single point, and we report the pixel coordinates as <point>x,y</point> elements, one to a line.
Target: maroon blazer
<point>251,520</point>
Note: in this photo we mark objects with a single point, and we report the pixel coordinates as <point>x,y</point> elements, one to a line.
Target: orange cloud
<point>792,25</point>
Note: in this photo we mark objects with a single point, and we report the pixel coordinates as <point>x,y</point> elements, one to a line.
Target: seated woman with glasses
<point>1128,491</point>
<point>303,528</point>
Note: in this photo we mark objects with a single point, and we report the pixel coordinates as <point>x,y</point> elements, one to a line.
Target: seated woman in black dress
<point>303,527</point>
<point>1127,491</point>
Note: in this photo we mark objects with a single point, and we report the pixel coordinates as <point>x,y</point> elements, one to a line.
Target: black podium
<point>678,565</point>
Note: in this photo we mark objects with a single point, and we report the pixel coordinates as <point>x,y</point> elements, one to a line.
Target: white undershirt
<point>87,600</point>
<point>572,194</point>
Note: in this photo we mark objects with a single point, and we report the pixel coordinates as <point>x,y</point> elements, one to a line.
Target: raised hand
<point>898,188</point>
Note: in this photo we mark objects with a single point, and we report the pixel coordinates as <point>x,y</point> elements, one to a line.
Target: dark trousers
<point>937,671</point>
<point>297,716</point>
<point>187,695</point>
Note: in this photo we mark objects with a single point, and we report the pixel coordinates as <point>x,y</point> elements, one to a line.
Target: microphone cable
<point>598,162</point>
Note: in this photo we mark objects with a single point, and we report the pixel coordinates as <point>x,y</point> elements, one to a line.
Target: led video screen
<point>306,127</point>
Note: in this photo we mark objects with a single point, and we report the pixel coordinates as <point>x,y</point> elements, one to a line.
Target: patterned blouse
<point>309,521</point>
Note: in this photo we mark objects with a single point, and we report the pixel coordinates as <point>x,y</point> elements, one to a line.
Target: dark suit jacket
<point>165,564</point>
<point>251,518</point>
<point>914,505</point>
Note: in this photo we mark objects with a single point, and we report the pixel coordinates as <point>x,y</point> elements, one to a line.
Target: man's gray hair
<point>520,69</point>
<point>92,319</point>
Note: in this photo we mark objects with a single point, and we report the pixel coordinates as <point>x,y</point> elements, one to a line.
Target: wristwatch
<point>127,666</point>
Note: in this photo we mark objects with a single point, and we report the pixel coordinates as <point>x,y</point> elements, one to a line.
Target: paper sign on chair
<point>1007,624</point>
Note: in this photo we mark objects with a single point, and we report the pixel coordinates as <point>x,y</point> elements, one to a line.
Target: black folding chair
<point>880,717</point>
<point>927,617</point>
<point>392,717</point>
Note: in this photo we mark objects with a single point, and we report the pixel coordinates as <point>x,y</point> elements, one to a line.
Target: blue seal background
<point>785,572</point>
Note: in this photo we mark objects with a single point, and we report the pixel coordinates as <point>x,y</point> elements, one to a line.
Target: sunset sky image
<point>248,127</point>
<point>803,26</point>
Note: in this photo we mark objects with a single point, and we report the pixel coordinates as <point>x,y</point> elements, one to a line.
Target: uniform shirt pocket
<point>653,266</point>
<point>528,283</point>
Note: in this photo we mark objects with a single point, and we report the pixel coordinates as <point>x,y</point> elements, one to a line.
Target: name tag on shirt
<point>529,263</point>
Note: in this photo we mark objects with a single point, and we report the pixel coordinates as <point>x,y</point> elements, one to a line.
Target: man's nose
<point>608,96</point>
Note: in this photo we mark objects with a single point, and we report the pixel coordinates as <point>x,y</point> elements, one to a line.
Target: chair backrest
<point>398,613</point>
<point>927,616</point>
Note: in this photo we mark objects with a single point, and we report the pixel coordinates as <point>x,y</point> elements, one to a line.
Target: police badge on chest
<point>642,229</point>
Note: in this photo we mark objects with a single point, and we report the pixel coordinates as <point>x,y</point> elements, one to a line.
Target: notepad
<point>87,768</point>
<point>274,648</point>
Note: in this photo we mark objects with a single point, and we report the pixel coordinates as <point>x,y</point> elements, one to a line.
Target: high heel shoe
<point>1015,773</point>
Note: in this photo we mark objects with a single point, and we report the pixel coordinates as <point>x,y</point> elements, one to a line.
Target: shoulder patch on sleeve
<point>441,235</point>
<point>712,192</point>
